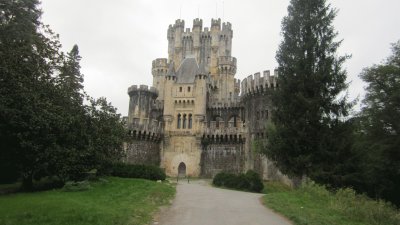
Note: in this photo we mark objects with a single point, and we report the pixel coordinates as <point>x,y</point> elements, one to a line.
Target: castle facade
<point>198,119</point>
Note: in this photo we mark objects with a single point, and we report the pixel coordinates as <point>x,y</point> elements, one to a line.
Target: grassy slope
<point>314,205</point>
<point>118,201</point>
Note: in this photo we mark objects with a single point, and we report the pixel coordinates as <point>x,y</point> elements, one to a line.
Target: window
<point>179,121</point>
<point>180,89</point>
<point>266,114</point>
<point>184,121</point>
<point>188,89</point>
<point>190,121</point>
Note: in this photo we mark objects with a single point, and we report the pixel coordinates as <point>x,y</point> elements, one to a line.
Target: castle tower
<point>159,70</point>
<point>141,101</point>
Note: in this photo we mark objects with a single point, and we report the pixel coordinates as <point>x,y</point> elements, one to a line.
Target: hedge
<point>250,181</point>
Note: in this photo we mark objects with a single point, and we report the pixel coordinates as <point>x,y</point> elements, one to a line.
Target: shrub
<point>250,181</point>
<point>137,171</point>
<point>255,181</point>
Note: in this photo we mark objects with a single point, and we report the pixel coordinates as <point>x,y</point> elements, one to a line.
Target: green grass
<point>314,205</point>
<point>114,201</point>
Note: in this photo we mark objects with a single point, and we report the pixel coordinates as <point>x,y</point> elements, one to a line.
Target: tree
<point>379,136</point>
<point>28,57</point>
<point>309,130</point>
<point>106,132</point>
<point>68,159</point>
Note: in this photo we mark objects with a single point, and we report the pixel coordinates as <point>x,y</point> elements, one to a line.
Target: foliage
<point>118,201</point>
<point>137,171</point>
<point>313,204</point>
<point>45,128</point>
<point>379,129</point>
<point>250,181</point>
<point>309,135</point>
<point>28,117</point>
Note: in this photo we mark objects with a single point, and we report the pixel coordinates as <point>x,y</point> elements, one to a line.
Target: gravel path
<point>198,203</point>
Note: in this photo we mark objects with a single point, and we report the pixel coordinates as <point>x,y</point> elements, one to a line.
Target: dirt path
<point>198,203</point>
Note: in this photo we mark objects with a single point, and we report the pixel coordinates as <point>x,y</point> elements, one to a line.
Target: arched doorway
<point>182,170</point>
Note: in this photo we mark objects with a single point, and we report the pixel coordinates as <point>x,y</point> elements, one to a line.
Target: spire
<point>171,70</point>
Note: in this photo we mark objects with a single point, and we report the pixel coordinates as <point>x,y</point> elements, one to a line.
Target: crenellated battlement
<point>159,62</point>
<point>216,24</point>
<point>150,131</point>
<point>197,23</point>
<point>257,83</point>
<point>142,88</point>
<point>159,67</point>
<point>227,26</point>
<point>179,23</point>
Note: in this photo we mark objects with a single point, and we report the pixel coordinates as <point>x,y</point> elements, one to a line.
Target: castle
<point>197,119</point>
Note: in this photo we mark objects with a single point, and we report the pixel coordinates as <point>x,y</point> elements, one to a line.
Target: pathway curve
<point>198,203</point>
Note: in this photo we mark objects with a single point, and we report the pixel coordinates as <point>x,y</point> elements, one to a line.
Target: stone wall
<point>222,157</point>
<point>142,152</point>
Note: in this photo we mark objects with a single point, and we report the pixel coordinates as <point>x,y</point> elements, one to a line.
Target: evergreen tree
<point>309,133</point>
<point>68,160</point>
<point>380,128</point>
<point>28,57</point>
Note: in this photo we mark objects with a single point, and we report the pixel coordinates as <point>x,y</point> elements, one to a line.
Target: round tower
<point>141,101</point>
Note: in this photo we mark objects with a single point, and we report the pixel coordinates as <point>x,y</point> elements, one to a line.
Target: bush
<point>137,171</point>
<point>250,181</point>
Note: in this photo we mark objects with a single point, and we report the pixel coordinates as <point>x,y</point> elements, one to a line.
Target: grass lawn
<point>114,201</point>
<point>314,205</point>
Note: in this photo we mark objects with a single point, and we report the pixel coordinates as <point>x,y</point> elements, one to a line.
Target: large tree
<point>380,128</point>
<point>29,53</point>
<point>309,131</point>
<point>45,127</point>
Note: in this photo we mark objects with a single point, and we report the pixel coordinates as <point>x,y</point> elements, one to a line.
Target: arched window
<point>190,121</point>
<point>179,121</point>
<point>184,121</point>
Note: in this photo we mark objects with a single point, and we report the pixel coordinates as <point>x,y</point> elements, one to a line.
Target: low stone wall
<point>142,152</point>
<point>222,157</point>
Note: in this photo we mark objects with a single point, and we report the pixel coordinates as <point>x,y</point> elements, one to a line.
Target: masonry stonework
<point>198,119</point>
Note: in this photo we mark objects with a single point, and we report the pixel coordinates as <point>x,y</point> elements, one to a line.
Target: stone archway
<point>182,169</point>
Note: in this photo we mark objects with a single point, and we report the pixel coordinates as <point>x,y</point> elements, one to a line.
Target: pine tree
<point>309,132</point>
<point>70,78</point>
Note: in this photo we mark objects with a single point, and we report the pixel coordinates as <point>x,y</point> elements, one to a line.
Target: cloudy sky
<point>119,39</point>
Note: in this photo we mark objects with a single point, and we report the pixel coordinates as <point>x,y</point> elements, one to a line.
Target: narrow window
<point>217,123</point>
<point>180,89</point>
<point>234,121</point>
<point>188,89</point>
<point>266,114</point>
<point>179,121</point>
<point>190,121</point>
<point>184,121</point>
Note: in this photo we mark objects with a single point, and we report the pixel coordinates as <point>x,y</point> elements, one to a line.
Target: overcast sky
<point>119,39</point>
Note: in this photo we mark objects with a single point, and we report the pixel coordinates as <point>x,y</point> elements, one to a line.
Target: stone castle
<point>198,119</point>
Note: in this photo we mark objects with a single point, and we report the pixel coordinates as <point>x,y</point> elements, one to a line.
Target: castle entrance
<point>182,170</point>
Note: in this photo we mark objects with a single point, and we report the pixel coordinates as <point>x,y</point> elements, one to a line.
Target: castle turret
<point>178,42</point>
<point>141,100</point>
<point>197,29</point>
<point>159,70</point>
